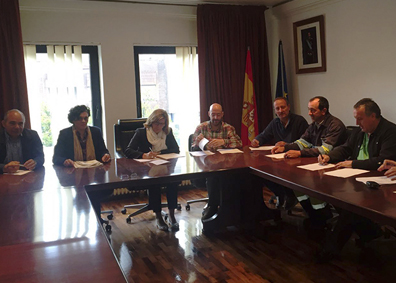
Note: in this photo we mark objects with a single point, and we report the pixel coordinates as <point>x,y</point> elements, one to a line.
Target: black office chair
<point>198,183</point>
<point>123,133</point>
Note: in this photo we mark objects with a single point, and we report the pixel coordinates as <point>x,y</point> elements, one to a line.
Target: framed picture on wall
<point>309,45</point>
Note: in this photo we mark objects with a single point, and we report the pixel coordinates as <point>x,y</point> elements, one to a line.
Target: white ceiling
<point>268,3</point>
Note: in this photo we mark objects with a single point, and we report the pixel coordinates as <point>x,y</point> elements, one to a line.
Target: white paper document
<point>202,143</point>
<point>87,164</point>
<point>143,160</point>
<point>346,172</point>
<point>19,172</point>
<point>232,150</point>
<point>277,155</point>
<point>264,147</point>
<point>382,180</point>
<point>316,166</point>
<point>169,156</point>
<point>201,153</point>
<point>159,161</point>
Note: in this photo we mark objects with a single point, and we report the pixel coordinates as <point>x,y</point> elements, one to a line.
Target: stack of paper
<point>87,164</point>
<point>346,172</point>
<point>316,166</point>
<point>169,156</point>
<point>201,153</point>
<point>226,150</point>
<point>277,155</point>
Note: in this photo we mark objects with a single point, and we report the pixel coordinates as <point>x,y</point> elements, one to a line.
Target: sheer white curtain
<point>55,84</point>
<point>186,95</point>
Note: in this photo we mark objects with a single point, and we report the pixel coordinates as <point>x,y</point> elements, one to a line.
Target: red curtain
<point>13,88</point>
<point>224,35</point>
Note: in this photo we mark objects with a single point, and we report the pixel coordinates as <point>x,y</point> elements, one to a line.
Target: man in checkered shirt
<point>220,135</point>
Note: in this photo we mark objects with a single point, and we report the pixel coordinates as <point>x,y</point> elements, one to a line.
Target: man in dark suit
<point>19,146</point>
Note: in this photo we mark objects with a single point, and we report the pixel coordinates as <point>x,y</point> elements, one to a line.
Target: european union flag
<point>281,83</point>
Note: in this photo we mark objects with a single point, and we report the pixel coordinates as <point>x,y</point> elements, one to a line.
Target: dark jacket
<point>139,144</point>
<point>322,139</point>
<point>275,131</point>
<point>64,148</point>
<point>381,146</point>
<point>32,148</point>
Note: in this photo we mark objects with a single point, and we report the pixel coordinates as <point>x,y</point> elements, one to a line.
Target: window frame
<point>146,50</point>
<point>92,50</point>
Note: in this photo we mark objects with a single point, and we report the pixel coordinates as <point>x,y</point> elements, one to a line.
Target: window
<point>59,78</point>
<point>167,78</point>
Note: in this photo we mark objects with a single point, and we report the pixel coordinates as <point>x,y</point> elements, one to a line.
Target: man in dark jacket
<point>287,128</point>
<point>367,147</point>
<point>325,133</point>
<point>19,146</point>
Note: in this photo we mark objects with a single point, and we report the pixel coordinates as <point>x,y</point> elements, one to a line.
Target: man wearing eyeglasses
<point>325,133</point>
<point>219,135</point>
<point>19,147</point>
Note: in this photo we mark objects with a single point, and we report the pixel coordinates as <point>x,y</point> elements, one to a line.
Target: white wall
<point>361,54</point>
<point>116,28</point>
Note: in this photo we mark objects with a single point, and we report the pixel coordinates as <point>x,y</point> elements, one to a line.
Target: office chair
<point>123,133</point>
<point>199,183</point>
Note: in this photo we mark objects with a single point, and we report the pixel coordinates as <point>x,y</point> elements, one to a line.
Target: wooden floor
<point>278,254</point>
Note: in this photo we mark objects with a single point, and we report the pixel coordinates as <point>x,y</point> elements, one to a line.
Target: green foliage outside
<point>149,100</point>
<point>46,125</point>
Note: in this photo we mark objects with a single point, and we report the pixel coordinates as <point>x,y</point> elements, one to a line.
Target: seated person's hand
<point>198,139</point>
<point>387,164</point>
<point>324,159</point>
<point>11,167</point>
<point>280,143</point>
<point>30,164</point>
<point>293,154</point>
<point>390,166</point>
<point>255,143</point>
<point>277,149</point>
<point>150,155</point>
<point>106,158</point>
<point>68,163</point>
<point>215,143</point>
<point>344,164</point>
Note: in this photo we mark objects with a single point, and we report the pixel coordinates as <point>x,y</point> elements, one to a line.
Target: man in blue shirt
<point>286,128</point>
<point>19,146</point>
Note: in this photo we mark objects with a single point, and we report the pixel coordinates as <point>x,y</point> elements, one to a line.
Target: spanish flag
<point>249,128</point>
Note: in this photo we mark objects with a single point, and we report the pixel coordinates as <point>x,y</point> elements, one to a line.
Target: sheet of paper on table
<point>264,147</point>
<point>143,160</point>
<point>201,153</point>
<point>19,172</point>
<point>277,155</point>
<point>382,180</point>
<point>229,150</point>
<point>346,172</point>
<point>87,164</point>
<point>169,156</point>
<point>159,161</point>
<point>316,166</point>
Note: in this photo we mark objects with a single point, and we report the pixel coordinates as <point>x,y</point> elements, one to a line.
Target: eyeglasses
<point>82,118</point>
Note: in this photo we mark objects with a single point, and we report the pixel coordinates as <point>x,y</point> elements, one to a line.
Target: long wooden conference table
<point>50,232</point>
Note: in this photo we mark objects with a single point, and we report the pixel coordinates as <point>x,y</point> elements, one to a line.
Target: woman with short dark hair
<point>80,142</point>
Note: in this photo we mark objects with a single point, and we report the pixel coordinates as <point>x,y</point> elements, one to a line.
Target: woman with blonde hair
<point>156,138</point>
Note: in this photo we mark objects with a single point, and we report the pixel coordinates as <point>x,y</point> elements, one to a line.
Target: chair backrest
<point>123,133</point>
<point>190,141</point>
